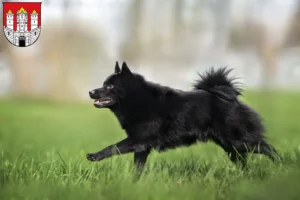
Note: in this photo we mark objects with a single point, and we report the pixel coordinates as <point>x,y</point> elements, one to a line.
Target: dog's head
<point>113,89</point>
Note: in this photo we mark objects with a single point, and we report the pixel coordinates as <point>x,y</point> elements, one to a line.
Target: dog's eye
<point>110,86</point>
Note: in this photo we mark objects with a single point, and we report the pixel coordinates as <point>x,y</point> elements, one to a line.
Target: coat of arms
<point>22,22</point>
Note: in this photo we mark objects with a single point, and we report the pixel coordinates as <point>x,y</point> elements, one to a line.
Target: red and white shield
<point>22,22</point>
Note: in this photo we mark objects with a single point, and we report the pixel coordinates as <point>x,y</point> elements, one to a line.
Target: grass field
<point>43,146</point>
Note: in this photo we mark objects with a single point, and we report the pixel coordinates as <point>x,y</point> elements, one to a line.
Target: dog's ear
<point>117,68</point>
<point>125,69</point>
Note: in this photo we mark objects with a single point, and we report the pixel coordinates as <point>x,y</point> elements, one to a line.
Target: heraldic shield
<point>22,22</point>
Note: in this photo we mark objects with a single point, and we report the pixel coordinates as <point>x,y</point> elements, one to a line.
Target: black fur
<point>161,118</point>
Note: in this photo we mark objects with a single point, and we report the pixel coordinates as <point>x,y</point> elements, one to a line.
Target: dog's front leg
<point>122,147</point>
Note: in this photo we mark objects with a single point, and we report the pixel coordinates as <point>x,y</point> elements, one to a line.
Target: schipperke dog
<point>161,118</point>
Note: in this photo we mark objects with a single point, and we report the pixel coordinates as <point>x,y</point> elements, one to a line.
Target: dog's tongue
<point>97,101</point>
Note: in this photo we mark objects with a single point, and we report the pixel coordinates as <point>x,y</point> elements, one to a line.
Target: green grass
<point>43,146</point>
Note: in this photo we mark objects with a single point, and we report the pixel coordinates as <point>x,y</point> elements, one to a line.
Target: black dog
<point>161,118</point>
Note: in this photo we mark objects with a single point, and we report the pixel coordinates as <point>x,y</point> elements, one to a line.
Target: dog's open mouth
<point>100,103</point>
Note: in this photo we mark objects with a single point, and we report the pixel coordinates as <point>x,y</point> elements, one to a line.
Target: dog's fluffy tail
<point>219,83</point>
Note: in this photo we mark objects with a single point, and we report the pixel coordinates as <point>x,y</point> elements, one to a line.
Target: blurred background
<point>48,122</point>
<point>167,41</point>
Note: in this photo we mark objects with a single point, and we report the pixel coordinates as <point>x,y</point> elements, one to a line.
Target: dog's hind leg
<point>237,157</point>
<point>268,150</point>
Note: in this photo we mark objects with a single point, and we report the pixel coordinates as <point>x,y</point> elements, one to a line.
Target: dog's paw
<point>91,157</point>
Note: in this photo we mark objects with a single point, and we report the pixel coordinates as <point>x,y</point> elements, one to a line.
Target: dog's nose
<point>91,92</point>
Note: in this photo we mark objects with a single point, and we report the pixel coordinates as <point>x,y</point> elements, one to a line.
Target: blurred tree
<point>131,48</point>
<point>221,12</point>
<point>177,19</point>
<point>265,37</point>
<point>293,38</point>
<point>71,53</point>
<point>66,5</point>
<point>254,35</point>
